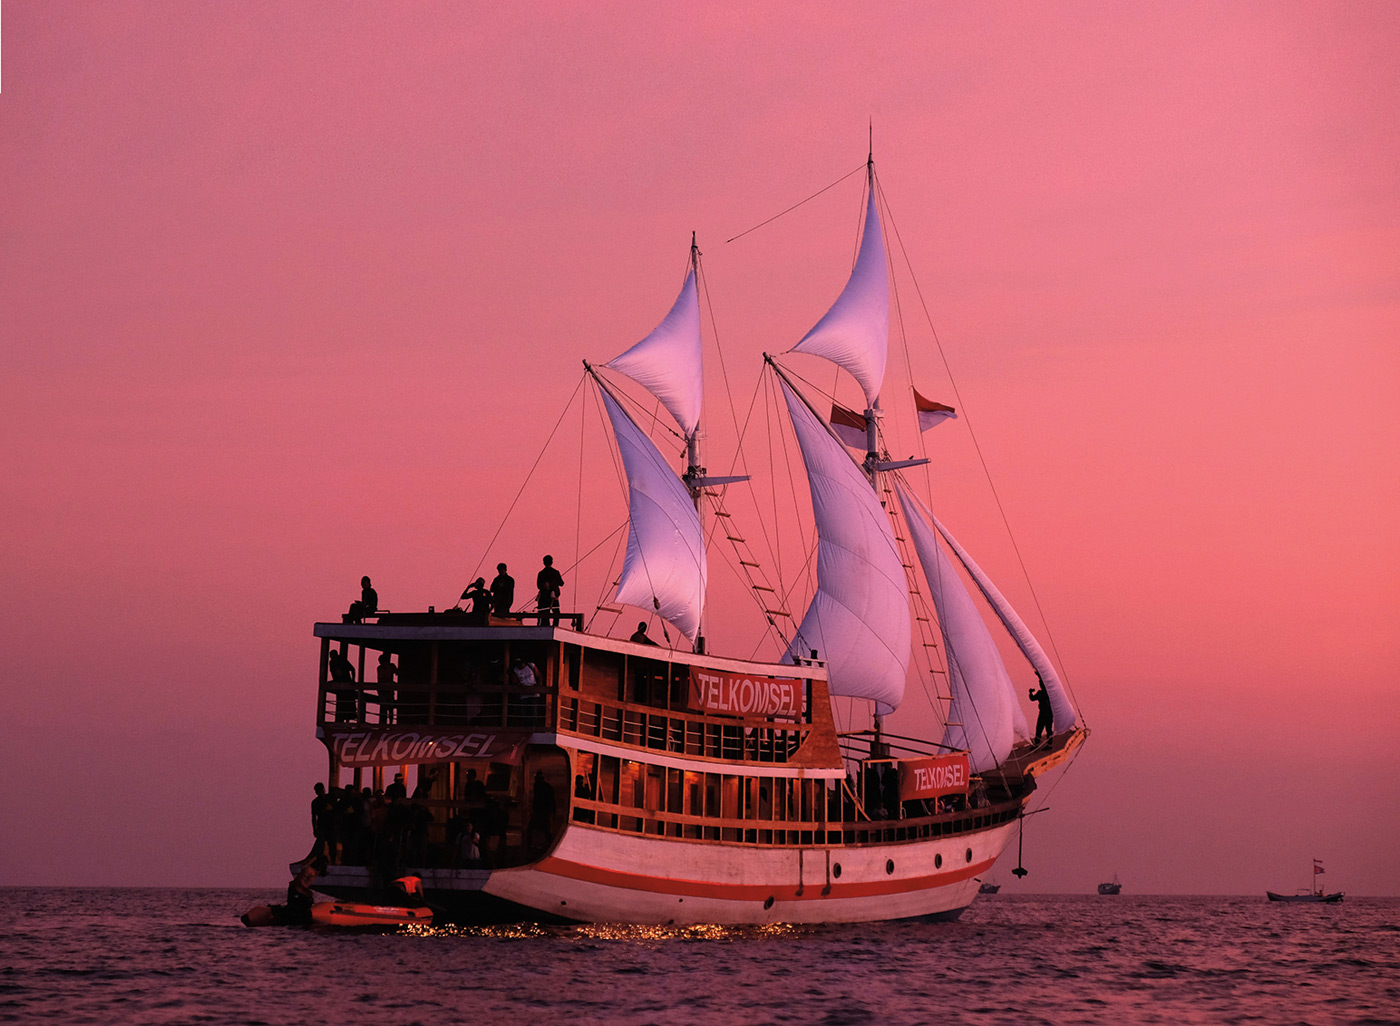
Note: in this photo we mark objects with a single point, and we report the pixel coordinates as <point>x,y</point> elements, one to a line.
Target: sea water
<point>181,956</point>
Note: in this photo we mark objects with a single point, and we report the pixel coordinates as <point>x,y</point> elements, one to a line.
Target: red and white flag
<point>931,413</point>
<point>1317,867</point>
<point>849,427</point>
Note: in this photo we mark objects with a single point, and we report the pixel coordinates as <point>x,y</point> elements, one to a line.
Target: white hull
<point>600,876</point>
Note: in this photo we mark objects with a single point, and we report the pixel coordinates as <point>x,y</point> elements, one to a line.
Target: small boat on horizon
<point>987,887</point>
<point>1112,887</point>
<point>1314,896</point>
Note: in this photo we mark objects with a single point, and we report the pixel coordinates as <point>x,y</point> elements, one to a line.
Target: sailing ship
<point>987,887</point>
<point>565,775</point>
<point>1314,895</point>
<point>1112,887</point>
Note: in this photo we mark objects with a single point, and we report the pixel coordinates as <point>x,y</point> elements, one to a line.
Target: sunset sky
<point>295,292</point>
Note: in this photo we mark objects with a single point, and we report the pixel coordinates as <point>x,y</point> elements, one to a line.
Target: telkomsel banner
<point>933,777</point>
<point>393,747</point>
<point>713,691</point>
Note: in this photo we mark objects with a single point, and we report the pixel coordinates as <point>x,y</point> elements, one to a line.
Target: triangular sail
<point>665,564</point>
<point>855,332</point>
<point>982,714</point>
<point>1065,716</point>
<point>667,362</point>
<point>858,621</point>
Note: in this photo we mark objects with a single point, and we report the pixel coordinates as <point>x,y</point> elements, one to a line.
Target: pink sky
<point>293,293</point>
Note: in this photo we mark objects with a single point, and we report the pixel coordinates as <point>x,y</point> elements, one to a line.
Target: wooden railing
<point>695,735</point>
<point>437,705</point>
<point>787,833</point>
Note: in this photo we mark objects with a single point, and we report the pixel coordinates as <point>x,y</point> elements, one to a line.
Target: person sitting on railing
<point>640,634</point>
<point>367,606</point>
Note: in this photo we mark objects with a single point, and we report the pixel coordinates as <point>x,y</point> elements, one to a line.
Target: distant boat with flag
<point>1314,895</point>
<point>1112,887</point>
<point>987,887</point>
<point>566,771</point>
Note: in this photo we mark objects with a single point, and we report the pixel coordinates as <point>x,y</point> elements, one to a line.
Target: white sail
<point>858,621</point>
<point>667,362</point>
<point>855,332</point>
<point>665,564</point>
<point>1065,716</point>
<point>981,717</point>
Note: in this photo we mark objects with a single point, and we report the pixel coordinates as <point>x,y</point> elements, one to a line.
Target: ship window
<point>969,854</point>
<point>938,862</point>
<point>836,870</point>
<point>889,867</point>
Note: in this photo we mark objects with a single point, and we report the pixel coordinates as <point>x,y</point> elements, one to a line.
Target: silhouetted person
<point>297,910</point>
<point>323,823</point>
<point>426,779</point>
<point>387,672</point>
<point>479,611</point>
<point>640,635</point>
<point>1045,722</point>
<point>473,790</point>
<point>367,606</point>
<point>396,791</point>
<point>342,671</point>
<point>583,789</point>
<point>542,807</point>
<point>549,582</point>
<point>502,591</point>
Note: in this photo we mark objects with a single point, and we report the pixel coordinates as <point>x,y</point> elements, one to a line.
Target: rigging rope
<point>796,205</point>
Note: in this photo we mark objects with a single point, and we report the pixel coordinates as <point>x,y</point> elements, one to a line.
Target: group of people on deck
<point>482,602</point>
<point>497,600</point>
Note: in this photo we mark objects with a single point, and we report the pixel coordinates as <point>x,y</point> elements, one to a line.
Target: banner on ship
<point>392,747</point>
<point>933,777</point>
<point>740,695</point>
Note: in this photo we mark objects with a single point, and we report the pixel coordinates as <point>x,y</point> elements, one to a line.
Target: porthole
<point>836,869</point>
<point>768,904</point>
<point>889,866</point>
<point>969,854</point>
<point>938,862</point>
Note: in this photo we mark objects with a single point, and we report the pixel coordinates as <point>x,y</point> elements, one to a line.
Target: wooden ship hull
<point>662,811</point>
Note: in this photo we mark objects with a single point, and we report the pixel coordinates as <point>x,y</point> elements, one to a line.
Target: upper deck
<point>435,671</point>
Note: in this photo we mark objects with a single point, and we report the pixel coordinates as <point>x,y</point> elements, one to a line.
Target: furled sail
<point>1065,716</point>
<point>667,362</point>
<point>982,715</point>
<point>855,332</point>
<point>665,564</point>
<point>858,621</point>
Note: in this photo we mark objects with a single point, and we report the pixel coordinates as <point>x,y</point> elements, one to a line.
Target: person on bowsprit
<point>1045,722</point>
<point>640,635</point>
<point>502,591</point>
<point>549,582</point>
<point>367,606</point>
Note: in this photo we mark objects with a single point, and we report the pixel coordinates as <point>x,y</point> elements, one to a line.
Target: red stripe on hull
<point>756,892</point>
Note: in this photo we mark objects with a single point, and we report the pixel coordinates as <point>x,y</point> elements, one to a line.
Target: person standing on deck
<point>1046,720</point>
<point>480,611</point>
<point>342,672</point>
<point>502,591</point>
<point>550,582</point>
<point>387,671</point>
